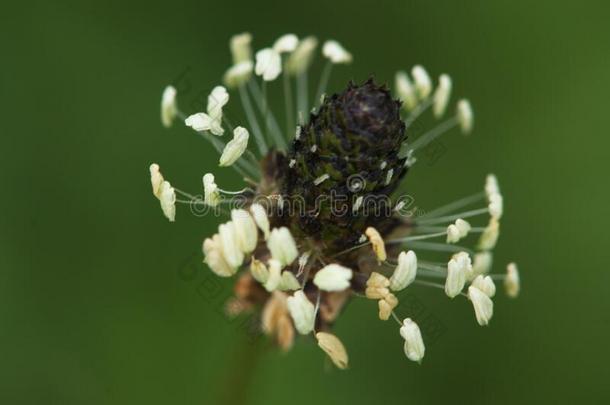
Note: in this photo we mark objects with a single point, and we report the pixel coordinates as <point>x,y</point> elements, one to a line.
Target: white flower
<point>212,121</point>
<point>405,272</point>
<point>247,234</point>
<point>288,282</point>
<point>235,148</point>
<point>286,43</point>
<point>282,246</point>
<point>214,257</point>
<point>405,90</point>
<point>490,235</point>
<point>333,347</point>
<point>240,47</point>
<point>230,244</point>
<point>496,205</point>
<point>238,74</point>
<point>491,185</point>
<point>268,64</point>
<point>457,270</point>
<point>301,58</point>
<point>211,194</point>
<point>512,283</point>
<point>167,197</point>
<point>386,306</point>
<point>482,263</point>
<point>156,179</point>
<point>169,110</point>
<point>333,277</point>
<point>441,96</point>
<point>336,53</point>
<point>414,344</point>
<point>483,305</point>
<point>302,312</point>
<point>260,217</point>
<point>423,84</point>
<point>377,243</point>
<point>259,271</point>
<point>485,284</point>
<point>275,275</point>
<point>465,116</point>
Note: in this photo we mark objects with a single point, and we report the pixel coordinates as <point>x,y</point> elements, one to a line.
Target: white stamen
<point>483,305</point>
<point>465,116</point>
<point>275,275</point>
<point>230,244</point>
<point>496,205</point>
<point>286,43</point>
<point>238,74</point>
<point>156,179</point>
<point>457,269</point>
<point>301,58</point>
<point>260,217</point>
<point>441,96</point>
<point>482,263</point>
<point>423,84</point>
<point>167,197</point>
<point>247,236</point>
<point>414,344</point>
<point>405,90</point>
<point>169,110</point>
<point>235,148</point>
<point>240,47</point>
<point>268,64</point>
<point>217,99</point>
<point>282,246</point>
<point>214,257</point>
<point>490,235</point>
<point>259,271</point>
<point>485,284</point>
<point>405,272</point>
<point>210,190</point>
<point>302,312</point>
<point>491,185</point>
<point>333,277</point>
<point>512,283</point>
<point>336,53</point>
<point>453,234</point>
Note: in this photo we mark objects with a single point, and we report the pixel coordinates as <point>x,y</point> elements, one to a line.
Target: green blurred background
<point>101,299</point>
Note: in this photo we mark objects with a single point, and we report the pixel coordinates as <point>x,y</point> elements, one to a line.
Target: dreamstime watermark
<point>336,203</point>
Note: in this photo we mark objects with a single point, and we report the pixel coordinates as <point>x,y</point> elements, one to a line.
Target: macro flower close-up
<point>262,202</point>
<point>321,219</point>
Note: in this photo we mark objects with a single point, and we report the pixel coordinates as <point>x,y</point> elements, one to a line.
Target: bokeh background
<point>102,301</point>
